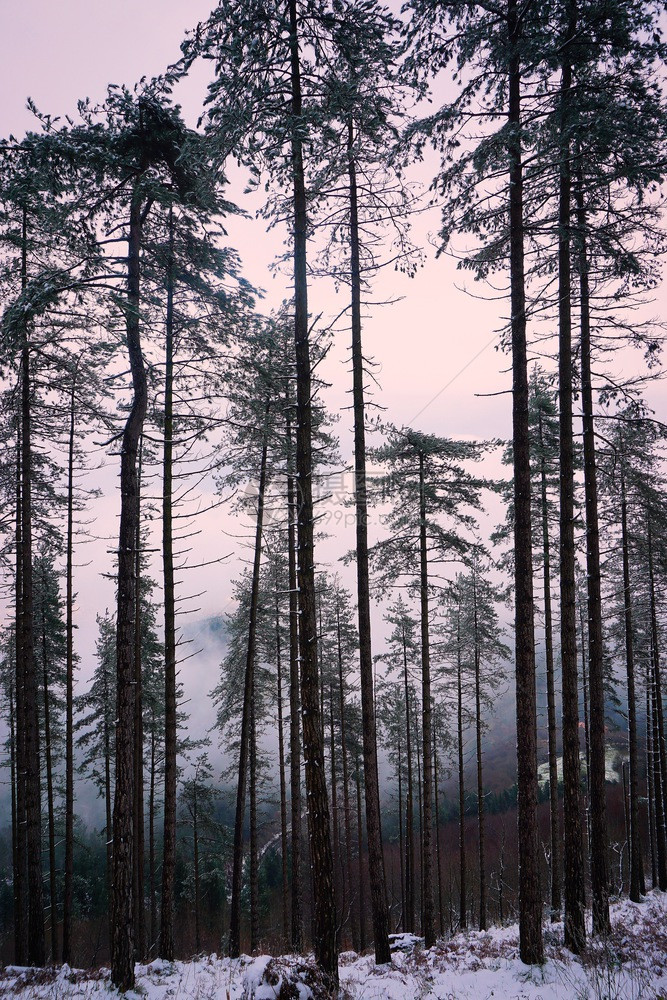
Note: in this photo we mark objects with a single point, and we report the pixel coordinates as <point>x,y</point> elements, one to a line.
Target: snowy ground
<point>473,966</point>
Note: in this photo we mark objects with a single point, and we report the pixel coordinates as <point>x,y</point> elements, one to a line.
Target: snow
<point>631,965</point>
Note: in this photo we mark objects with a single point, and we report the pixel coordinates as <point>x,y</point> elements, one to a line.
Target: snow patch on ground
<point>476,965</point>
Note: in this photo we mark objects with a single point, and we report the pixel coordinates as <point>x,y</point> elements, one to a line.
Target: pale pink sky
<point>436,344</point>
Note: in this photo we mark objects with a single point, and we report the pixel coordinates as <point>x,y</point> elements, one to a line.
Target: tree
<point>247,114</point>
<point>427,481</point>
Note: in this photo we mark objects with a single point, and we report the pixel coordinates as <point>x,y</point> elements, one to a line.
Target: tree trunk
<point>21,888</point>
<point>254,847</point>
<point>107,812</point>
<point>360,866</point>
<point>36,941</point>
<point>48,761</point>
<point>409,807</point>
<point>347,809</point>
<point>634,840</point>
<point>195,848</point>
<point>15,831</point>
<point>334,815</point>
<point>166,943</point>
<point>551,695</point>
<point>401,839</point>
<point>437,831</point>
<point>68,899</point>
<point>371,784</point>
<point>599,843</point>
<point>480,783</point>
<point>122,942</point>
<point>281,767</point>
<point>659,755</point>
<point>246,723</point>
<point>575,931</point>
<point>530,896</point>
<point>138,819</point>
<point>151,841</point>
<point>463,896</point>
<point>313,751</point>
<point>294,700</point>
<point>649,776</point>
<point>428,923</point>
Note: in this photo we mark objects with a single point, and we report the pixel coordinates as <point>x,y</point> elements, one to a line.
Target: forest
<point>332,682</point>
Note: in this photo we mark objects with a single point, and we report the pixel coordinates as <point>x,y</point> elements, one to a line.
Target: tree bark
<point>347,810</point>
<point>166,943</point>
<point>68,899</point>
<point>48,761</point>
<point>371,783</point>
<point>659,755</point>
<point>254,847</point>
<point>409,806</point>
<point>463,896</point>
<point>551,694</point>
<point>281,767</point>
<point>123,931</point>
<point>246,720</point>
<point>21,887</point>
<point>599,840</point>
<point>296,922</point>
<point>33,811</point>
<point>437,832</point>
<point>480,782</point>
<point>138,818</point>
<point>634,839</point>
<point>530,897</point>
<point>428,923</point>
<point>313,751</point>
<point>575,931</point>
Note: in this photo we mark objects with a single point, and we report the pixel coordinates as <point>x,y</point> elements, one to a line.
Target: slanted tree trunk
<point>575,931</point>
<point>530,896</point>
<point>313,751</point>
<point>599,840</point>
<point>554,840</point>
<point>166,943</point>
<point>68,898</point>
<point>246,719</point>
<point>371,784</point>
<point>634,839</point>
<point>123,931</point>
